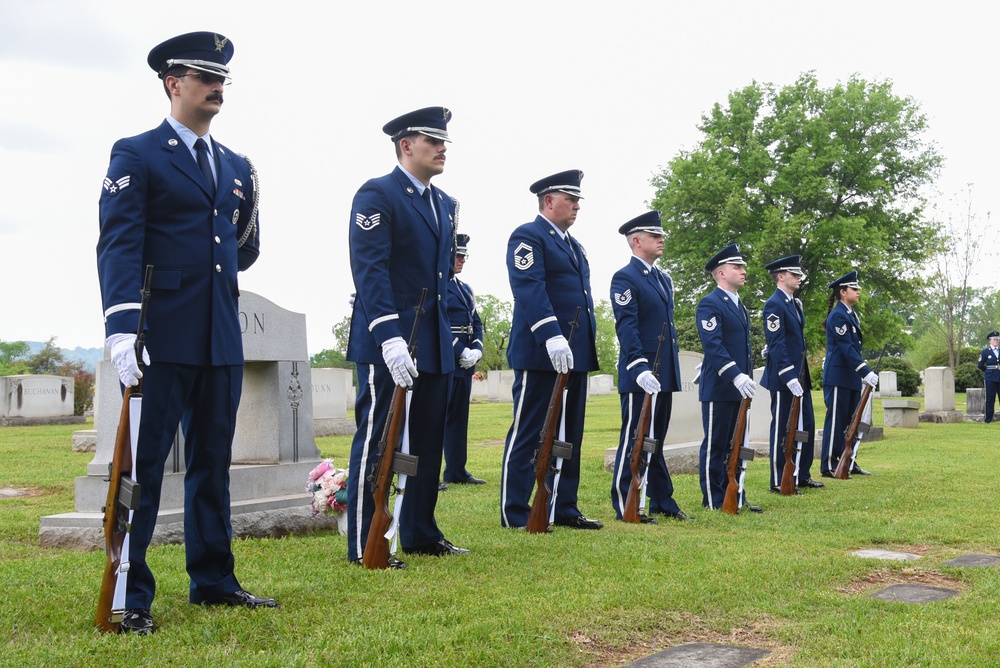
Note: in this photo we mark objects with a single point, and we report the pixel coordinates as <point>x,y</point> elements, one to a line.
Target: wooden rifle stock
<point>376,553</point>
<point>851,436</point>
<point>121,497</point>
<point>787,487</point>
<point>730,503</point>
<point>538,518</point>
<point>631,511</point>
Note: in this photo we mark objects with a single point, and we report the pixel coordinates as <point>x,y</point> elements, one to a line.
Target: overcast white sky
<point>613,88</point>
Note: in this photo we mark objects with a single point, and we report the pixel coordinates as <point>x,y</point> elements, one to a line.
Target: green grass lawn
<point>784,580</point>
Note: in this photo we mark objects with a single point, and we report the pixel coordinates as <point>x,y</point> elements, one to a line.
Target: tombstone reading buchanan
<point>273,450</point>
<point>37,399</point>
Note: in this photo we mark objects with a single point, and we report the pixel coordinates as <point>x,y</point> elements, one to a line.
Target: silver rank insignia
<point>368,222</point>
<point>624,298</point>
<point>220,44</point>
<point>524,256</point>
<point>773,322</point>
<point>114,187</point>
<point>841,330</point>
<point>710,324</point>
<point>172,142</point>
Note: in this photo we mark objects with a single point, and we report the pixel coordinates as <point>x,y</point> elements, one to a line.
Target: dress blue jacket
<point>642,305</point>
<point>844,366</point>
<point>466,326</point>
<point>549,280</point>
<point>397,249</point>
<point>987,358</point>
<point>155,208</point>
<point>784,329</point>
<point>724,328</point>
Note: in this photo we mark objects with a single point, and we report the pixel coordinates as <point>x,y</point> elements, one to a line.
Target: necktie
<point>201,148</point>
<point>662,281</point>
<point>427,198</point>
<point>572,250</point>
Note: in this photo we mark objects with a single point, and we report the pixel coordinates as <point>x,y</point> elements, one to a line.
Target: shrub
<point>967,375</point>
<point>966,355</point>
<point>907,378</point>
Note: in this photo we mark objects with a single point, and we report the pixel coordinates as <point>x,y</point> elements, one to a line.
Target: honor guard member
<point>401,241</point>
<point>724,327</point>
<point>642,297</point>
<point>550,278</point>
<point>989,364</point>
<point>786,370</point>
<point>843,371</point>
<point>178,200</point>
<point>467,343</point>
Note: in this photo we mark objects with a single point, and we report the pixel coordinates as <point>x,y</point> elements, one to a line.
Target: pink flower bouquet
<point>328,485</point>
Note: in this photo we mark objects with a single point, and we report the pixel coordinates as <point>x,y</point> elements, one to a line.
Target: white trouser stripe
<point>513,437</point>
<point>359,505</point>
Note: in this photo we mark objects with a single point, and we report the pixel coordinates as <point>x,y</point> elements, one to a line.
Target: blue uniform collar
<point>189,137</point>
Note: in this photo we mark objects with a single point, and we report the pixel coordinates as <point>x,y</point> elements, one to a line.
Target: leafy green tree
<point>337,358</point>
<point>832,174</point>
<point>606,339</point>
<point>50,360</point>
<point>13,356</point>
<point>984,318</point>
<point>496,315</point>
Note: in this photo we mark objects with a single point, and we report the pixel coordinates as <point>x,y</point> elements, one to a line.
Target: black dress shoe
<point>646,519</point>
<point>393,563</point>
<point>471,480</point>
<point>442,487</point>
<point>777,490</point>
<point>857,470</point>
<point>813,484</point>
<point>580,522</point>
<point>680,516</point>
<point>754,509</point>
<point>138,621</point>
<point>827,474</point>
<point>241,598</point>
<point>438,549</point>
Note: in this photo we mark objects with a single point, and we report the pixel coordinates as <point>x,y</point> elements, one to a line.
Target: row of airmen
<point>180,201</point>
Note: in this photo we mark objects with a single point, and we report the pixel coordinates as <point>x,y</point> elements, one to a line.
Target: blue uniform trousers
<point>718,418</point>
<point>417,527</point>
<point>781,405</point>
<point>532,392</point>
<point>840,405</point>
<point>204,400</point>
<point>991,395</point>
<point>456,430</point>
<point>659,486</point>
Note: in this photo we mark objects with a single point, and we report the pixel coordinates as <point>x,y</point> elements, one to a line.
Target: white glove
<point>397,358</point>
<point>469,357</point>
<point>122,350</point>
<point>745,385</point>
<point>763,353</point>
<point>560,354</point>
<point>795,387</point>
<point>350,300</point>
<point>648,382</point>
<point>697,376</point>
<point>871,379</point>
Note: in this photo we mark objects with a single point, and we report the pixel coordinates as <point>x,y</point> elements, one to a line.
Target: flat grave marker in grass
<point>703,654</point>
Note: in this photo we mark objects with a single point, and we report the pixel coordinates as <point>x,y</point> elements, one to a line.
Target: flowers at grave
<point>328,486</point>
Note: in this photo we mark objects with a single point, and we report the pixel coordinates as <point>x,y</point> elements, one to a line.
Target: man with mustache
<point>178,200</point>
<point>402,240</point>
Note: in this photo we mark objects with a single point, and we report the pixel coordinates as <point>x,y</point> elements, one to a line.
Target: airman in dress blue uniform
<point>549,277</point>
<point>178,200</point>
<point>989,364</point>
<point>786,371</point>
<point>843,371</point>
<point>467,343</point>
<point>402,234</point>
<point>724,327</point>
<point>642,298</point>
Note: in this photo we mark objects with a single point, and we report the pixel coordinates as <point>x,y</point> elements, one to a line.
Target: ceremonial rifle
<point>642,444</point>
<point>793,435</point>
<point>856,430</point>
<point>549,446</point>
<point>123,490</point>
<point>737,453</point>
<point>376,554</point>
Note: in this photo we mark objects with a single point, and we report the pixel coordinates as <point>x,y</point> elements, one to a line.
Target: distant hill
<point>89,356</point>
